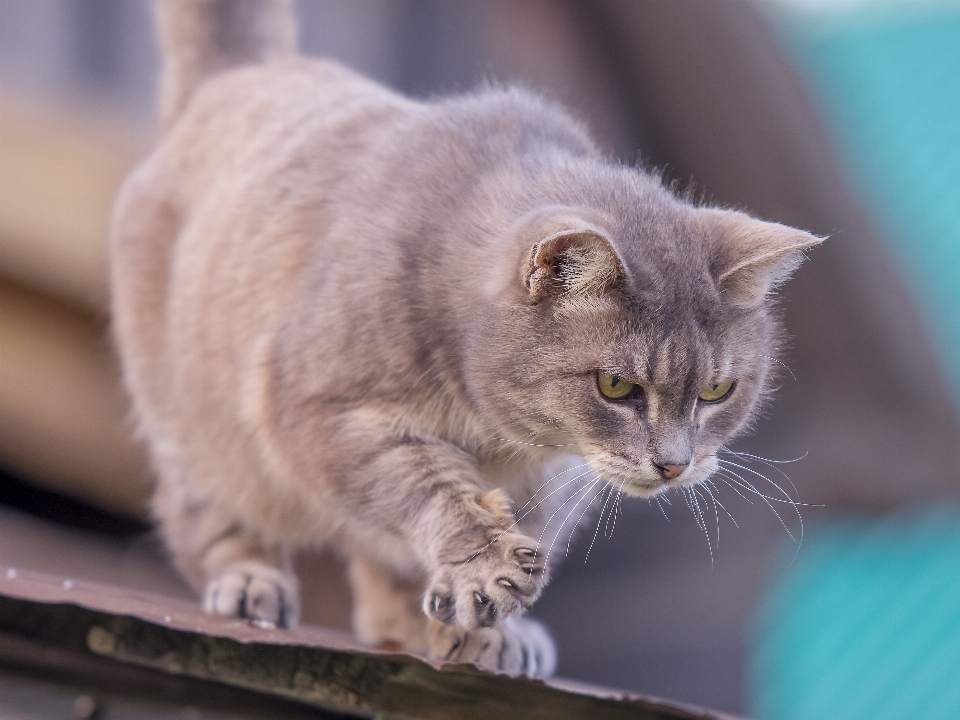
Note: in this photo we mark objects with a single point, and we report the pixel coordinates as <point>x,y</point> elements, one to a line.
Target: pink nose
<point>669,472</point>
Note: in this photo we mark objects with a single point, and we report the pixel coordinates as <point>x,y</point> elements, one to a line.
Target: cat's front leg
<point>387,613</point>
<point>480,570</point>
<point>516,646</point>
<point>479,586</point>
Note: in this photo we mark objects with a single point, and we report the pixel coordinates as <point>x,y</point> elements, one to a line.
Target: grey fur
<point>353,319</point>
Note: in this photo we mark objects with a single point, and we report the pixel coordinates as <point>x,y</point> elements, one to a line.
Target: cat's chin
<point>643,489</point>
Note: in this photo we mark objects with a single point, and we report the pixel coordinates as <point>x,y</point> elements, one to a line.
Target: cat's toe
<point>516,646</point>
<point>256,592</point>
<point>499,582</point>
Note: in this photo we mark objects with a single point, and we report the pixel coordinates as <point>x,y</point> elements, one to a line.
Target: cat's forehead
<point>663,339</point>
<point>664,356</point>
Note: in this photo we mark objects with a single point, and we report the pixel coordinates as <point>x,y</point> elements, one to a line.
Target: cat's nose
<point>669,472</point>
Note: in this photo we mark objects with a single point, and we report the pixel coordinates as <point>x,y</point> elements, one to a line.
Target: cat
<point>351,319</point>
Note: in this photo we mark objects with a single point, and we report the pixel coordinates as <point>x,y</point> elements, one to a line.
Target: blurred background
<point>838,116</point>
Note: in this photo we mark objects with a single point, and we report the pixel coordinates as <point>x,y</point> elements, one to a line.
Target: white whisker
<point>720,504</point>
<point>585,490</point>
<point>569,515</point>
<point>746,485</point>
<point>599,520</point>
<point>551,494</point>
<point>518,520</point>
<point>781,363</point>
<point>576,467</point>
<point>716,511</point>
<point>617,509</point>
<point>660,505</point>
<point>694,504</point>
<point>570,537</point>
<point>789,500</point>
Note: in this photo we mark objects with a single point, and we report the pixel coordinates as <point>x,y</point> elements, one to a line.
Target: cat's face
<point>644,355</point>
<point>649,409</point>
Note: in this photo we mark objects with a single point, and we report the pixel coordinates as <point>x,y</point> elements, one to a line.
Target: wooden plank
<point>322,668</point>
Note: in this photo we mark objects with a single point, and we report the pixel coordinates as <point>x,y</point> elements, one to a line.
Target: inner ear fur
<point>574,261</point>
<point>753,257</point>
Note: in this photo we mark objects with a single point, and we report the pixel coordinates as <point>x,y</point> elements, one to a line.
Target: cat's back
<point>303,174</point>
<point>210,231</point>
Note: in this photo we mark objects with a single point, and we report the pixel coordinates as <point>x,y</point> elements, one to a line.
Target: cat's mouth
<point>638,480</point>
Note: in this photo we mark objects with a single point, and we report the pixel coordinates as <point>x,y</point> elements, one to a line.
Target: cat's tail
<point>200,38</point>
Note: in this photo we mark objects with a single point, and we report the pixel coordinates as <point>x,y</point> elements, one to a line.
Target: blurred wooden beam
<point>59,171</point>
<point>63,413</point>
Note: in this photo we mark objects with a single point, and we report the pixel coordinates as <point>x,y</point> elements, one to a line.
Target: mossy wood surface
<point>47,619</point>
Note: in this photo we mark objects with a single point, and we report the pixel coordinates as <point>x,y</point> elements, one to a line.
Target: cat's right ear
<point>753,257</point>
<point>574,261</point>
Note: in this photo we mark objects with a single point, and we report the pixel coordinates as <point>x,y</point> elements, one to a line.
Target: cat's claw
<point>516,646</point>
<point>255,591</point>
<point>501,581</point>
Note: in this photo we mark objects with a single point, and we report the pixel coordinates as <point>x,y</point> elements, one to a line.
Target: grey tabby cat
<point>352,319</point>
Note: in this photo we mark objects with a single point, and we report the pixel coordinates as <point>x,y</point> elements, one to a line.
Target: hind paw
<point>256,592</point>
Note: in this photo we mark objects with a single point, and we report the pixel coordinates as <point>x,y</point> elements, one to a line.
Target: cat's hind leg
<point>253,584</point>
<point>237,573</point>
<point>386,608</point>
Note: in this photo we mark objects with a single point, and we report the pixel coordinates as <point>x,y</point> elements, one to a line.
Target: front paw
<point>254,591</point>
<point>516,646</point>
<point>500,580</point>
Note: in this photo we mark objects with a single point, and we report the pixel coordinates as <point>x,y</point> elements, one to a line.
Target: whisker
<point>518,520</point>
<point>779,362</point>
<point>716,511</point>
<point>576,467</point>
<point>520,442</point>
<point>582,515</point>
<point>613,509</point>
<point>720,504</point>
<point>737,491</point>
<point>789,499</point>
<point>617,509</point>
<point>660,505</point>
<point>694,505</point>
<point>585,490</point>
<point>795,504</point>
<point>551,494</point>
<point>763,459</point>
<point>772,464</point>
<point>560,529</point>
<point>599,520</point>
<point>748,486</point>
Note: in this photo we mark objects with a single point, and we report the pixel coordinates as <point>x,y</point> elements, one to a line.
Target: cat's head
<point>642,341</point>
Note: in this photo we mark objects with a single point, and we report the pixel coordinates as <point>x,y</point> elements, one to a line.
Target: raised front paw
<point>516,646</point>
<point>255,591</point>
<point>499,581</point>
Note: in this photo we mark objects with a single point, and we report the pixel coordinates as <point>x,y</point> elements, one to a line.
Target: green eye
<point>614,386</point>
<point>713,393</point>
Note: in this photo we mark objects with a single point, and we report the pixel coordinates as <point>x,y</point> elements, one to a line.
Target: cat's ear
<point>574,261</point>
<point>752,257</point>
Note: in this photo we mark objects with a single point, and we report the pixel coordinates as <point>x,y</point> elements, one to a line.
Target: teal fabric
<point>864,625</point>
<point>889,83</point>
<point>865,622</point>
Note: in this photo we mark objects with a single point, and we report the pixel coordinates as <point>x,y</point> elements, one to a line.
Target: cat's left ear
<point>752,257</point>
<point>577,260</point>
